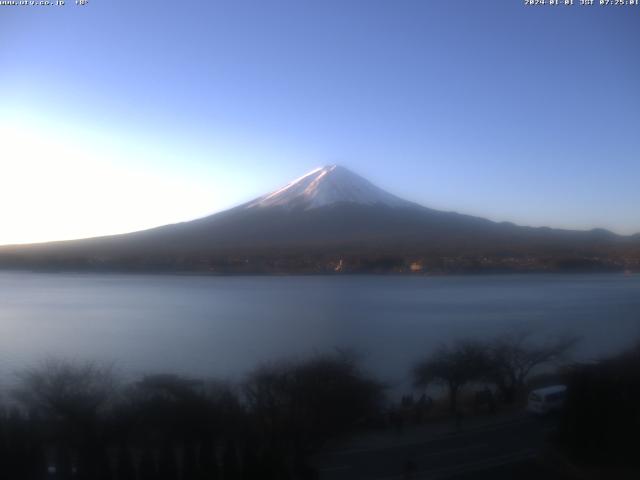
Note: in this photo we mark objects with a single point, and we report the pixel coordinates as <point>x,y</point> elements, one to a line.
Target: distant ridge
<point>333,220</point>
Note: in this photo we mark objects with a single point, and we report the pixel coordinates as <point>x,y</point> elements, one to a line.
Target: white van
<point>546,400</point>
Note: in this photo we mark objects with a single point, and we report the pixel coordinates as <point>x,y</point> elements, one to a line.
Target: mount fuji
<point>324,220</point>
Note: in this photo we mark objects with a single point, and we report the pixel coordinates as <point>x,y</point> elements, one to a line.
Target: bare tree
<point>453,366</point>
<point>70,396</point>
<point>314,399</point>
<point>514,356</point>
<point>64,389</point>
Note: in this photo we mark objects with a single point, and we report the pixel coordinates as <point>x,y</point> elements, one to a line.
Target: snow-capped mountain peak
<point>328,185</point>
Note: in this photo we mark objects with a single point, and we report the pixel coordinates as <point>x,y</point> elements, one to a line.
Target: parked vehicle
<point>546,400</point>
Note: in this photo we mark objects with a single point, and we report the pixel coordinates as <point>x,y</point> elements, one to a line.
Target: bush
<point>601,420</point>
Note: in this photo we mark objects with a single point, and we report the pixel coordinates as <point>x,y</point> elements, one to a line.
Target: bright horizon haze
<point>119,116</point>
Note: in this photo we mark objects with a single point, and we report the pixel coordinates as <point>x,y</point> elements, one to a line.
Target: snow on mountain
<point>328,185</point>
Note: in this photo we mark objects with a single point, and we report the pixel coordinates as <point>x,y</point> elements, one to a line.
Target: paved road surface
<point>501,449</point>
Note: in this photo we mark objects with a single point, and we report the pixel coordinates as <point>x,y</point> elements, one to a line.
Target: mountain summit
<point>325,186</point>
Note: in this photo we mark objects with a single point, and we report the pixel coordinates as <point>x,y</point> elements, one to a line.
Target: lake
<point>225,326</point>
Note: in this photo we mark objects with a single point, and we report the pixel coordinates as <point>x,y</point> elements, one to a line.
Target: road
<point>500,449</point>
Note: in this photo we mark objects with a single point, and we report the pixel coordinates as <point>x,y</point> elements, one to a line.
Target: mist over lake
<point>226,326</point>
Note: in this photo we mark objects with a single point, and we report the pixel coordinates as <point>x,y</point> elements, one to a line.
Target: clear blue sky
<point>121,115</point>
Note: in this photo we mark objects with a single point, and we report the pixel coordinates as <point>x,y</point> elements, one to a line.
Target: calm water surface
<point>224,326</point>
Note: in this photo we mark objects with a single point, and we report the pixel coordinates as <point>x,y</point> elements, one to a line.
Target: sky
<point>118,116</point>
